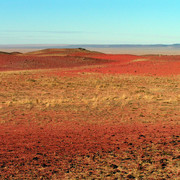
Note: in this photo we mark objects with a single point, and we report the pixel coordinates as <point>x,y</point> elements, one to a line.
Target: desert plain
<point>80,114</point>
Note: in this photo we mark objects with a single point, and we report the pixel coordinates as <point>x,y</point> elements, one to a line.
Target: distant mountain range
<point>42,46</point>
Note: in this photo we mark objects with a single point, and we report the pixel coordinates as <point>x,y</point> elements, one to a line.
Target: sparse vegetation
<point>93,94</point>
<point>73,124</point>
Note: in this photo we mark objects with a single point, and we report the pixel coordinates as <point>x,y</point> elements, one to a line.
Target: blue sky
<point>89,21</point>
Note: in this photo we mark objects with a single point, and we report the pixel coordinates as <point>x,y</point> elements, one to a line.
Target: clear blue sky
<point>89,21</point>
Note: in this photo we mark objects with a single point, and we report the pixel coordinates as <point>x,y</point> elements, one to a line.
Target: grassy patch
<point>117,98</point>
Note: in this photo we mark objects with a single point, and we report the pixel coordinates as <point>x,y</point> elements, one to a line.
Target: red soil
<point>148,65</point>
<point>59,148</point>
<point>10,62</point>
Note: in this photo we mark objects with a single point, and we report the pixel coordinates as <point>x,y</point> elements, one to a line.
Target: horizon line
<point>92,44</point>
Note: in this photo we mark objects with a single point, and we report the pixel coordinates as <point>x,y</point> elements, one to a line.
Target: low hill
<point>49,58</point>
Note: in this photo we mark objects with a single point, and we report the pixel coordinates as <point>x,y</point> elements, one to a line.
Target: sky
<point>89,21</point>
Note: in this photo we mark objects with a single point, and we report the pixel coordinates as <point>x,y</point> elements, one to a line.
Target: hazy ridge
<point>138,49</point>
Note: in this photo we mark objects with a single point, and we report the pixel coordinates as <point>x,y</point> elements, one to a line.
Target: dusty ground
<point>84,115</point>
